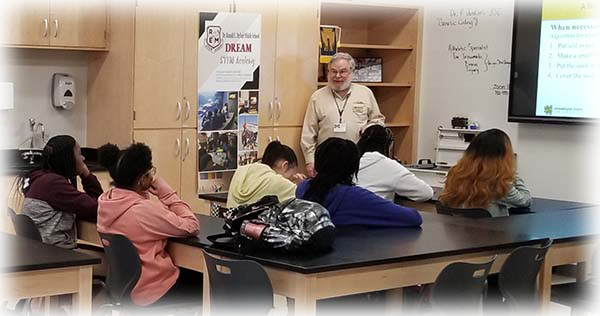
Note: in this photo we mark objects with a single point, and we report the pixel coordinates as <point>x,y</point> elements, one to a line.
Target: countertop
<point>15,165</point>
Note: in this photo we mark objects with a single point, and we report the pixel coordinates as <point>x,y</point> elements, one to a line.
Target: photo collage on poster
<point>228,89</point>
<point>227,134</point>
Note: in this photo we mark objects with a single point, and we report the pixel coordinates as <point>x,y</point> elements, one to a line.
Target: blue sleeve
<point>301,189</point>
<point>366,208</point>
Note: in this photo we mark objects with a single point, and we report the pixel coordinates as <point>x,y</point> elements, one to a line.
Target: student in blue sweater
<point>336,162</point>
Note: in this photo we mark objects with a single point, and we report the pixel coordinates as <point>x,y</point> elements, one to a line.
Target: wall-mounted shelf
<point>370,46</point>
<point>377,84</point>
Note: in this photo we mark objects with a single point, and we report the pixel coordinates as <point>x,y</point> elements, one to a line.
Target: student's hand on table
<point>298,177</point>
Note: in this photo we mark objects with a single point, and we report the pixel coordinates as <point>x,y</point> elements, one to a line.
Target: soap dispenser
<point>63,91</point>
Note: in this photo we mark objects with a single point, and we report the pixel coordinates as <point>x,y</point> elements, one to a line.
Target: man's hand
<point>310,169</point>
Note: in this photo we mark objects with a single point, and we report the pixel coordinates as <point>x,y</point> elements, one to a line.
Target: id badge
<point>339,127</point>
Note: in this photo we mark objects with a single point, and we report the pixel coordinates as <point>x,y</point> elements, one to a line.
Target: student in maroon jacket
<point>52,200</point>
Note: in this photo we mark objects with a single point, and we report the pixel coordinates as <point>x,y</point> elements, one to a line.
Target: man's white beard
<point>345,86</point>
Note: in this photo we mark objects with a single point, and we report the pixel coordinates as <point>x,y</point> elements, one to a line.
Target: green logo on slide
<point>548,109</point>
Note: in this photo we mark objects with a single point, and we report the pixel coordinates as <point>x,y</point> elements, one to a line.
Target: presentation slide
<point>568,73</point>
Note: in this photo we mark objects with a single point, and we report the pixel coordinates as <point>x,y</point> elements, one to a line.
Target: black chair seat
<point>579,296</point>
<point>124,270</point>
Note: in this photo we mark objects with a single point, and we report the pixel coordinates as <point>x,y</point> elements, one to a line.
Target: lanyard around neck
<point>340,111</point>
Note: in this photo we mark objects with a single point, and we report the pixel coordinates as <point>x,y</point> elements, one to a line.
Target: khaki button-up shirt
<point>322,114</point>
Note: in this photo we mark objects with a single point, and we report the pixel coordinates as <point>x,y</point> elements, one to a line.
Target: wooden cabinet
<point>63,24</point>
<point>392,33</point>
<point>145,87</point>
<point>159,100</point>
<point>292,79</point>
<point>26,22</point>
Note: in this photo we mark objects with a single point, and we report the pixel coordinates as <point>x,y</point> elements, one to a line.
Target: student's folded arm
<point>385,213</point>
<point>155,218</point>
<point>518,195</point>
<point>169,197</point>
<point>91,185</point>
<point>408,185</point>
<point>65,197</point>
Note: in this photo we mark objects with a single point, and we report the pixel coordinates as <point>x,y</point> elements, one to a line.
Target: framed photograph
<point>368,69</point>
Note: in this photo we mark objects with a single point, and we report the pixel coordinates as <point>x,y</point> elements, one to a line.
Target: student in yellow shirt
<point>275,174</point>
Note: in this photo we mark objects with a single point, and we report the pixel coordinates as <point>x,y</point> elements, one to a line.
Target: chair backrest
<point>238,287</point>
<point>24,225</point>
<point>462,212</point>
<point>518,275</point>
<point>124,267</point>
<point>459,288</point>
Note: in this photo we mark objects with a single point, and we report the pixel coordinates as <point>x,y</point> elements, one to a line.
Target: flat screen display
<point>555,69</point>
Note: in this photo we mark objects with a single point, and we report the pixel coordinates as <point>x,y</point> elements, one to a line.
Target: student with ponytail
<point>127,209</point>
<point>275,174</point>
<point>336,163</point>
<point>382,175</point>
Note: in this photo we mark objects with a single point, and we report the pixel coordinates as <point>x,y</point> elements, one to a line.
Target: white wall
<point>555,160</point>
<point>31,72</point>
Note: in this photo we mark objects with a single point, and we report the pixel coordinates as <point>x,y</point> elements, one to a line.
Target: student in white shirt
<point>382,175</point>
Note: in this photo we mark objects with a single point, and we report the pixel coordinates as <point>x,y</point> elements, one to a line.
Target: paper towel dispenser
<point>63,91</point>
<point>7,96</point>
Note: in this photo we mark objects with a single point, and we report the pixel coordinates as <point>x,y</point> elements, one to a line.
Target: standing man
<point>340,109</point>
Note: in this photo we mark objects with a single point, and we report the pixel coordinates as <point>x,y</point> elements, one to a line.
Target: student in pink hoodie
<point>127,209</point>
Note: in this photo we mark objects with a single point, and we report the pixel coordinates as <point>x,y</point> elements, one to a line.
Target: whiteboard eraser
<point>7,96</point>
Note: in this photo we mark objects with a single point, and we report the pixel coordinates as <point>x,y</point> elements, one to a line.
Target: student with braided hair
<point>382,175</point>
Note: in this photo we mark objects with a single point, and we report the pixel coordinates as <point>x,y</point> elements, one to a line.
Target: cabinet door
<point>291,136</point>
<point>25,22</point>
<point>75,23</point>
<point>189,172</point>
<point>159,33</point>
<point>268,11</point>
<point>190,56</point>
<point>295,64</point>
<point>166,146</point>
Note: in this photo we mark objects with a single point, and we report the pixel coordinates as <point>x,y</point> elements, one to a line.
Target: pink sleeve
<point>174,220</point>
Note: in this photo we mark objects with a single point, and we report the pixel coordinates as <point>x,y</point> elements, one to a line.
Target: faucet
<point>33,127</point>
<point>30,155</point>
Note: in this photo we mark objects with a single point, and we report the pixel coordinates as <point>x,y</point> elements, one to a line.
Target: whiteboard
<point>451,87</point>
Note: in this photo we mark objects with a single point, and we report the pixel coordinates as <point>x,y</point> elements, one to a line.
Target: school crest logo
<point>548,109</point>
<point>214,38</point>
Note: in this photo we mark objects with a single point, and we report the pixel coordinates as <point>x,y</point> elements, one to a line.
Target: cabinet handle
<point>177,147</point>
<point>271,110</point>
<point>278,139</point>
<point>55,28</point>
<point>188,109</point>
<point>187,149</point>
<point>270,139</point>
<point>278,109</point>
<point>178,113</point>
<point>45,28</point>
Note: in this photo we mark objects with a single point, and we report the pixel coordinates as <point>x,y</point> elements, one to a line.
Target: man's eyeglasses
<point>342,72</point>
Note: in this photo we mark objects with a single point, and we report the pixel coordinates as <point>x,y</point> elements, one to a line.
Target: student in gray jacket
<point>486,177</point>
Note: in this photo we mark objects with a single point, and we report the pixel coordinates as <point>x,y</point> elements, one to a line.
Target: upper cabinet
<point>62,24</point>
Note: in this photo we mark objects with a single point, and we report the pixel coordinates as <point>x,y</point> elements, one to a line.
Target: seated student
<point>275,174</point>
<point>52,201</point>
<point>336,163</point>
<point>127,209</point>
<point>485,177</point>
<point>382,175</point>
